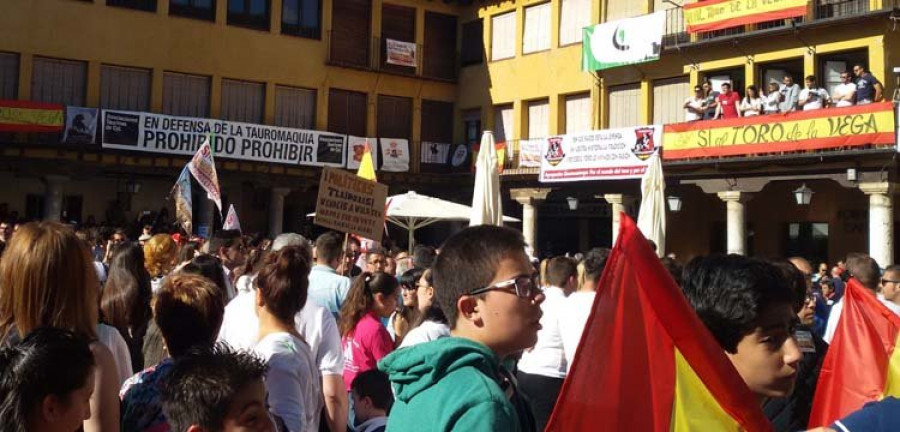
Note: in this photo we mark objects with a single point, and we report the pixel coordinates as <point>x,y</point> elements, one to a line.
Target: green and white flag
<point>623,42</point>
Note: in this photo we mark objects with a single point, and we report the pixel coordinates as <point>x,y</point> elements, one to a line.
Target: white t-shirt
<point>571,324</point>
<point>240,328</point>
<point>293,382</point>
<point>425,332</point>
<point>835,315</point>
<point>751,107</point>
<point>843,90</point>
<point>771,102</point>
<point>695,103</point>
<point>815,98</point>
<point>547,358</point>
<point>110,338</point>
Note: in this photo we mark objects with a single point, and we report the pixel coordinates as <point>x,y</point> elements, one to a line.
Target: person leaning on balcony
<point>790,94</point>
<point>813,97</point>
<point>710,103</point>
<point>868,88</point>
<point>694,105</point>
<point>845,92</point>
<point>727,103</point>
<point>752,104</point>
<point>772,99</point>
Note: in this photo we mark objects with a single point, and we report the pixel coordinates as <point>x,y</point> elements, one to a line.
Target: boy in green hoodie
<point>491,296</point>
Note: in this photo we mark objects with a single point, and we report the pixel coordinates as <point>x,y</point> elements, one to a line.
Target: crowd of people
<point>242,333</point>
<point>857,87</point>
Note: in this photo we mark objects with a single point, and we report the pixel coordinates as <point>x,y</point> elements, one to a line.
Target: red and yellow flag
<point>646,362</point>
<point>27,116</point>
<point>862,364</point>
<point>366,165</point>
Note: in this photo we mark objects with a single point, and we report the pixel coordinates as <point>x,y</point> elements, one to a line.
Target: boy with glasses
<point>490,294</point>
<point>890,284</point>
<point>868,88</point>
<point>845,93</point>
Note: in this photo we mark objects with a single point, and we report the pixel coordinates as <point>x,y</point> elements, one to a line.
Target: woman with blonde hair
<point>48,280</point>
<point>160,254</point>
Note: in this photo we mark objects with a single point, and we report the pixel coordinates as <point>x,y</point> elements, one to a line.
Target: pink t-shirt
<point>364,346</point>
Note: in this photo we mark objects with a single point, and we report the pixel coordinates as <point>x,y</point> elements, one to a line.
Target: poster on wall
<point>158,133</point>
<point>401,53</point>
<point>623,42</point>
<point>81,125</point>
<point>351,204</point>
<point>394,154</point>
<point>621,153</point>
<point>530,152</point>
<point>356,146</point>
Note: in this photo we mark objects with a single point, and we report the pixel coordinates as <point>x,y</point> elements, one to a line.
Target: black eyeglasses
<point>523,286</point>
<point>886,281</point>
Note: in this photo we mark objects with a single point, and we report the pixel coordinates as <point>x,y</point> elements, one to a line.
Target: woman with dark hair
<point>403,320</point>
<point>432,323</point>
<point>372,296</point>
<point>46,382</point>
<point>48,280</point>
<point>209,267</point>
<point>125,303</point>
<point>292,382</point>
<point>187,252</point>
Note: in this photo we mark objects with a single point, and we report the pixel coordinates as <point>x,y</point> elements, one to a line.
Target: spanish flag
<point>366,166</point>
<point>646,362</point>
<point>862,364</point>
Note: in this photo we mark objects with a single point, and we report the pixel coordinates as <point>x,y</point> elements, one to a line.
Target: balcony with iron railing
<point>357,49</point>
<point>819,11</point>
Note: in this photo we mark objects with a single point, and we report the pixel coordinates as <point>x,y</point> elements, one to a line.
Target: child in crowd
<point>372,400</point>
<point>748,306</point>
<point>492,298</point>
<point>216,389</point>
<point>372,297</point>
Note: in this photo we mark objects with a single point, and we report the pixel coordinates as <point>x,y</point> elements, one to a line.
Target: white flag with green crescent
<point>623,42</point>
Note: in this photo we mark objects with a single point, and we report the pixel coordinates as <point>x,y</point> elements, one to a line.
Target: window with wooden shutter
<point>295,107</point>
<point>439,56</point>
<point>574,16</point>
<point>472,51</point>
<point>394,117</point>
<point>578,113</point>
<point>437,121</point>
<point>59,81</point>
<point>503,36</point>
<point>347,112</point>
<point>537,29</point>
<point>668,99</point>
<point>351,24</point>
<point>503,123</point>
<point>539,119</point>
<point>397,23</point>
<point>624,106</point>
<point>243,101</point>
<point>124,88</point>
<point>9,75</point>
<point>186,95</point>
<point>619,9</point>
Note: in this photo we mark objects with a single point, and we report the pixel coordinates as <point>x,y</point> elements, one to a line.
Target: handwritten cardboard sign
<point>351,204</point>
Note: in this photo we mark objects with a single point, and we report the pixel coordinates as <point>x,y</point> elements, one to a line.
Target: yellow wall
<point>557,72</point>
<point>103,34</point>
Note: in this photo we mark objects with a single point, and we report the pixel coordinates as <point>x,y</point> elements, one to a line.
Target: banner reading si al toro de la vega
<point>710,15</point>
<point>803,130</point>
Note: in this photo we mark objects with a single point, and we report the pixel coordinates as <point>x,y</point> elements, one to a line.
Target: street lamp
<point>573,203</point>
<point>803,195</point>
<point>674,203</point>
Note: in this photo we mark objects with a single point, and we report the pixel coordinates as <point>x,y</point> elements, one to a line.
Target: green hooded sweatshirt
<point>448,384</point>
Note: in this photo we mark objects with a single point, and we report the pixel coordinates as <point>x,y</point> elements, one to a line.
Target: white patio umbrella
<point>487,207</point>
<point>652,215</point>
<point>413,211</point>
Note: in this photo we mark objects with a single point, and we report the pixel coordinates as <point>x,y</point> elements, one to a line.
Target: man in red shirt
<point>728,102</point>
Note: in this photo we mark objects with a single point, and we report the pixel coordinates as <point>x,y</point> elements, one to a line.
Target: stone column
<point>737,229</point>
<point>530,199</point>
<point>53,197</point>
<point>584,234</point>
<point>881,221</point>
<point>619,203</point>
<point>276,210</point>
